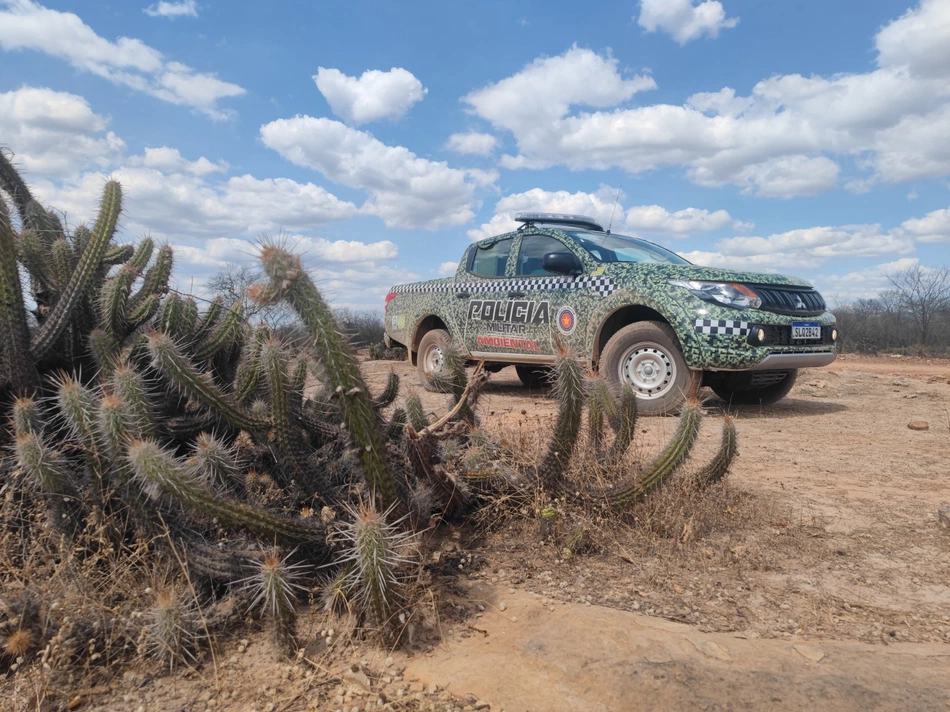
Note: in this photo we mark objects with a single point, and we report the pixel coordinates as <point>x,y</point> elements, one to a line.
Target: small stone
<point>943,516</point>
<point>482,705</point>
<point>502,606</point>
<point>918,425</point>
<point>808,651</point>
<point>357,678</point>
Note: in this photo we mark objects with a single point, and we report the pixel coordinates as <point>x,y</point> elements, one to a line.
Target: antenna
<point>616,200</point>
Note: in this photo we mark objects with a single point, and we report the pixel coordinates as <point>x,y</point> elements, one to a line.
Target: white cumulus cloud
<point>374,95</point>
<point>472,142</point>
<point>55,133</point>
<point>171,10</point>
<point>404,189</point>
<point>544,91</point>
<point>129,62</point>
<point>599,205</point>
<point>783,139</point>
<point>447,269</point>
<point>933,227</point>
<point>683,20</point>
<point>655,218</point>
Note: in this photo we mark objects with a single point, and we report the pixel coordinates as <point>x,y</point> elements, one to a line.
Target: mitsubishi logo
<point>799,304</point>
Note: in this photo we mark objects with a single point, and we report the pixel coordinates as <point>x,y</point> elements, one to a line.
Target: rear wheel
<point>534,376</point>
<point>431,359</point>
<point>743,388</point>
<point>646,356</point>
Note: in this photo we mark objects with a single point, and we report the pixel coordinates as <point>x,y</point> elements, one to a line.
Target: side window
<point>490,261</point>
<point>533,250</point>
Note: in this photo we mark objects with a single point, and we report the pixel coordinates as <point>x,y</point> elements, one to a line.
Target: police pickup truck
<point>636,312</point>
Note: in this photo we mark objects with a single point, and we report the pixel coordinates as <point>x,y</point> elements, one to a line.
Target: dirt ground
<point>818,577</point>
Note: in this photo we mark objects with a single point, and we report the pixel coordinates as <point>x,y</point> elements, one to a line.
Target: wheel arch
<point>620,318</point>
<point>426,325</point>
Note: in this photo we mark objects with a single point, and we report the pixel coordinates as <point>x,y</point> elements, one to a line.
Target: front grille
<point>798,301</point>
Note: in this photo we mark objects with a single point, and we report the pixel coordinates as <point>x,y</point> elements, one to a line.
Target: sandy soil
<point>824,584</point>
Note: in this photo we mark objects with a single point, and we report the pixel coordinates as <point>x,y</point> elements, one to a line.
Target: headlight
<point>728,294</point>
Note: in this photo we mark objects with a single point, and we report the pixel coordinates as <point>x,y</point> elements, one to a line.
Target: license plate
<point>806,330</point>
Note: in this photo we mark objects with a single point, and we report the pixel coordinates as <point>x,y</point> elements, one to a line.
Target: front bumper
<point>787,362</point>
<point>727,340</point>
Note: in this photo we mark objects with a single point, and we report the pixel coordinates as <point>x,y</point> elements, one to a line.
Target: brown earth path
<point>567,657</point>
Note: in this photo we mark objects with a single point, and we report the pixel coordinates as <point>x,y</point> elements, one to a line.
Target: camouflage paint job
<point>631,284</point>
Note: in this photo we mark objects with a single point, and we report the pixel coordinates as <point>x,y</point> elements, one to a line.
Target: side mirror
<point>561,263</point>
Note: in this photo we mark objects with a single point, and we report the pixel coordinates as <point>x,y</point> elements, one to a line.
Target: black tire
<point>646,356</point>
<point>430,361</point>
<point>762,395</point>
<point>534,376</point>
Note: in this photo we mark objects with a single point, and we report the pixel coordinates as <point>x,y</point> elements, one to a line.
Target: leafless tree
<point>922,293</point>
<point>232,282</point>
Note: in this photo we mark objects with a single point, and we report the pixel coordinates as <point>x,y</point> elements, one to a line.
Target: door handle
<point>462,295</point>
<point>515,295</point>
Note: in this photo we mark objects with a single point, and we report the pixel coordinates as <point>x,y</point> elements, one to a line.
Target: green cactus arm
<point>599,406</point>
<point>42,464</point>
<point>666,463</point>
<point>85,271</point>
<point>716,469</point>
<point>222,334</point>
<point>16,366</point>
<point>114,299</point>
<point>62,260</point>
<point>299,380</point>
<point>157,470</point>
<point>157,276</point>
<point>129,385</point>
<point>104,347</point>
<point>416,413</point>
<point>189,320</point>
<point>114,422</point>
<point>141,256</point>
<point>79,407</point>
<point>570,391</point>
<point>34,258</point>
<point>117,255</point>
<point>396,427</point>
<point>624,422</point>
<point>289,281</point>
<point>248,373</point>
<point>210,318</point>
<point>168,358</point>
<point>27,417</point>
<point>170,314</point>
<point>275,366</point>
<point>143,311</point>
<point>213,461</point>
<point>15,187</point>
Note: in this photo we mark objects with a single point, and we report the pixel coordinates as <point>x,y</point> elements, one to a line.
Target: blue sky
<point>380,138</point>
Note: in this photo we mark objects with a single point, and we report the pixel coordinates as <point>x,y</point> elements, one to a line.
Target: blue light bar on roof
<point>581,221</point>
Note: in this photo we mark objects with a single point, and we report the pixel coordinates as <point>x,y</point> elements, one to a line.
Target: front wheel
<point>646,356</point>
<point>431,359</point>
<point>742,389</point>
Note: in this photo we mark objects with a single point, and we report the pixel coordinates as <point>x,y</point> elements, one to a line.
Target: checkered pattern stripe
<point>602,285</point>
<point>722,326</point>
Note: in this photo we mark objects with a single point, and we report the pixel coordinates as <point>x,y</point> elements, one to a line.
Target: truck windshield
<point>619,248</point>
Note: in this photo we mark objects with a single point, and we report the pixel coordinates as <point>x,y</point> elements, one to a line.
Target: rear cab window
<point>490,260</point>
